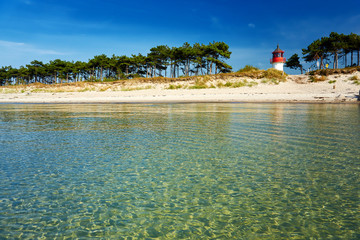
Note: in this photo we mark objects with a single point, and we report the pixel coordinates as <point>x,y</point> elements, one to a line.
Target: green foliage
<point>228,84</point>
<point>275,74</point>
<point>172,86</point>
<point>324,72</point>
<point>110,79</point>
<point>294,63</point>
<point>237,84</point>
<point>328,72</point>
<point>197,59</point>
<point>336,45</point>
<point>200,83</point>
<point>315,78</point>
<point>136,88</point>
<point>248,68</point>
<point>354,78</point>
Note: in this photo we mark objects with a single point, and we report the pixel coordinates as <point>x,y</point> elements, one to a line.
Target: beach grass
<point>315,78</point>
<point>136,88</point>
<point>248,76</point>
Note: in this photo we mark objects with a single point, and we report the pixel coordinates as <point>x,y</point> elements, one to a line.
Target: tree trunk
<point>345,59</point>
<point>171,69</point>
<point>189,65</point>
<point>351,57</point>
<point>321,62</point>
<point>337,60</point>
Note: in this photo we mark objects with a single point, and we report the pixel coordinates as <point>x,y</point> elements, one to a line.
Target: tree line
<point>186,60</point>
<point>329,49</point>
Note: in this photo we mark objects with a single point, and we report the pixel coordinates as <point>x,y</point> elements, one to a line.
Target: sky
<point>78,30</point>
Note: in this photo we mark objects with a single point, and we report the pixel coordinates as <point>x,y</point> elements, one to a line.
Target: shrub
<point>109,79</point>
<point>198,87</point>
<point>248,68</point>
<point>239,84</point>
<point>317,78</point>
<point>327,72</point>
<point>252,83</point>
<point>228,84</point>
<point>324,72</point>
<point>353,78</point>
<point>220,84</point>
<point>272,73</point>
<point>200,83</point>
<point>172,86</point>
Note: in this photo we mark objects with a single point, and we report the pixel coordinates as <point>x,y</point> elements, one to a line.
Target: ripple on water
<point>179,171</point>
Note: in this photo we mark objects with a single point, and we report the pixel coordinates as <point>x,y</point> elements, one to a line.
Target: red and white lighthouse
<point>278,59</point>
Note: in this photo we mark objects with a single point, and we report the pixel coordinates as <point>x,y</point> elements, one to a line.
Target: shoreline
<point>192,96</point>
<point>296,89</point>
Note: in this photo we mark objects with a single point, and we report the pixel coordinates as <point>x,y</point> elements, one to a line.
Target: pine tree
<point>294,63</point>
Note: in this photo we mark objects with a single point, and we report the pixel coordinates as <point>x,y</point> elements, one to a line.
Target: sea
<point>180,171</point>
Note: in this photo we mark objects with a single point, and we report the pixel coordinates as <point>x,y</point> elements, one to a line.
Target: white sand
<point>295,89</point>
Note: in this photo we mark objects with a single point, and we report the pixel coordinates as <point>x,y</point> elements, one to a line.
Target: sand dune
<point>297,88</point>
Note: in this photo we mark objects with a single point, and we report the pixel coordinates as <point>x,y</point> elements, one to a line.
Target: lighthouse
<point>278,59</point>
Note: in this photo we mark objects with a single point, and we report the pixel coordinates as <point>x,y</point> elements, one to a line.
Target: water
<point>180,171</point>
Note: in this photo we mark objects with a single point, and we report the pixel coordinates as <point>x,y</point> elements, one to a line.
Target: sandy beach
<point>297,88</point>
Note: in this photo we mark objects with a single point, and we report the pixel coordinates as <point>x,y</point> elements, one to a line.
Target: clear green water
<point>180,171</point>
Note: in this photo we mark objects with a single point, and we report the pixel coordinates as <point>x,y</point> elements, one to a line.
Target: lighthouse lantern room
<point>278,59</point>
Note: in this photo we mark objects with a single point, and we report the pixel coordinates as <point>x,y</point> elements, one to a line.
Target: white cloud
<point>10,44</point>
<point>23,47</point>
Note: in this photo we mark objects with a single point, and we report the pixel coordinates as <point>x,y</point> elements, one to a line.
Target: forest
<point>325,51</point>
<point>187,60</point>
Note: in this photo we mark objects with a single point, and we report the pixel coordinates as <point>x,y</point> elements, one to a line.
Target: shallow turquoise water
<point>180,171</point>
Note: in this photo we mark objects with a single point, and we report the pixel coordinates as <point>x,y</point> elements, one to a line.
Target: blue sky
<point>78,30</point>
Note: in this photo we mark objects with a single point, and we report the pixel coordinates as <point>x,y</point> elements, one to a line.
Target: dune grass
<point>327,72</point>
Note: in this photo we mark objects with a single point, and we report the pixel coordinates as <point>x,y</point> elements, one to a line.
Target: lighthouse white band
<point>278,66</point>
